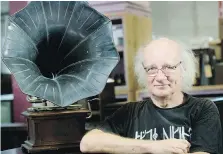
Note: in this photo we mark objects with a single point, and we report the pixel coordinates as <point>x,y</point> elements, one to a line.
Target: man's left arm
<point>206,130</point>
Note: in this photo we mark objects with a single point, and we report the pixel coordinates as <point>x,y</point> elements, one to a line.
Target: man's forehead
<point>162,51</point>
<point>162,43</point>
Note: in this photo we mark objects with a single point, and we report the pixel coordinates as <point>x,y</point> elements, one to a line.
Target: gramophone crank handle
<point>89,107</point>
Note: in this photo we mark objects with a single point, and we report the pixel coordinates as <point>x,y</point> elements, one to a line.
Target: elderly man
<point>170,121</point>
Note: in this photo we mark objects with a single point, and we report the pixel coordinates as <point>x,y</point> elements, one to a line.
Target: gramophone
<point>60,52</point>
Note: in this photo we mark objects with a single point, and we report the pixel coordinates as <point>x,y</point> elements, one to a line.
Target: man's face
<point>163,54</point>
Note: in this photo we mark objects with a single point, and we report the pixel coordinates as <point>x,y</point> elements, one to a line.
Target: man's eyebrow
<point>148,66</point>
<point>153,65</point>
<point>167,64</point>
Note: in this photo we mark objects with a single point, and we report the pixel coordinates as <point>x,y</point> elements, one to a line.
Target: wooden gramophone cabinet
<point>54,130</point>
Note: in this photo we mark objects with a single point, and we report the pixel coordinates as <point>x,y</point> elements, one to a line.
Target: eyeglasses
<point>167,70</point>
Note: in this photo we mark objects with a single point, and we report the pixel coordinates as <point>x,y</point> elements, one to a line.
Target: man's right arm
<point>97,141</point>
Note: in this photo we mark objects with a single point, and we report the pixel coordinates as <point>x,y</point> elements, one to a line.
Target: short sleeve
<point>206,130</point>
<point>118,121</point>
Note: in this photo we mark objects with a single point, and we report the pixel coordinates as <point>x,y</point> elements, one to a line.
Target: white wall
<point>4,10</point>
<point>185,20</point>
<point>4,6</point>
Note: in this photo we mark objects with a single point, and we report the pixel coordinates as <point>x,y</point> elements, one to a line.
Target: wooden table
<point>20,151</point>
<point>13,135</point>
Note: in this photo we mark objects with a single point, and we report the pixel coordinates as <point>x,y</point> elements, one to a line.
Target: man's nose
<point>160,75</point>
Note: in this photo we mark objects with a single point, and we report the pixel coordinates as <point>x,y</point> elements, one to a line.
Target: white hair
<point>188,67</point>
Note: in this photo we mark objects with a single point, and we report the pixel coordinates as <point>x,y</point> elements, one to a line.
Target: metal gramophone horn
<point>60,51</point>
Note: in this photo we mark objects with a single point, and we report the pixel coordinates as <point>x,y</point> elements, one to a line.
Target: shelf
<point>95,112</point>
<point>13,126</point>
<point>7,97</point>
<point>121,92</point>
<point>207,90</point>
<point>121,89</point>
<point>210,87</point>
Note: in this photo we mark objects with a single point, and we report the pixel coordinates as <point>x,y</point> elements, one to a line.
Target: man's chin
<point>161,93</point>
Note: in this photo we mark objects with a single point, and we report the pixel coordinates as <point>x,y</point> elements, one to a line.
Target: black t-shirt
<point>197,120</point>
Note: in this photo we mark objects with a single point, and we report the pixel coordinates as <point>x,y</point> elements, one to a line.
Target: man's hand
<point>170,146</point>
